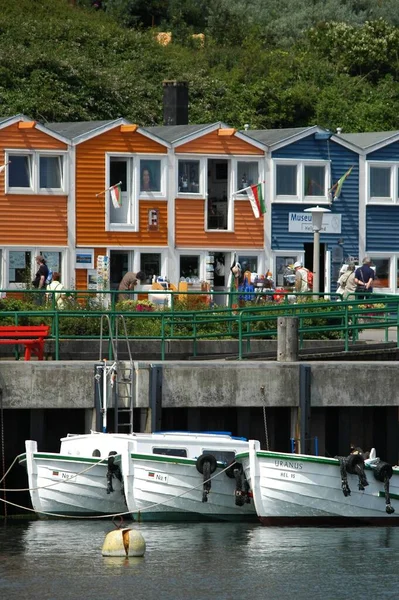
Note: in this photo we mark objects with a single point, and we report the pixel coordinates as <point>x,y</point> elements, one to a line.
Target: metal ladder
<point>121,378</point>
<point>124,388</point>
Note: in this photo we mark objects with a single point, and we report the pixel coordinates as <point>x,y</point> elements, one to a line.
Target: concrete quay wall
<point>70,384</point>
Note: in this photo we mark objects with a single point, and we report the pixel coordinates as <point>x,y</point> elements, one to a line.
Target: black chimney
<point>175,103</point>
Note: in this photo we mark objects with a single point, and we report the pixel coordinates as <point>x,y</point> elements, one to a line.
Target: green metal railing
<point>81,315</point>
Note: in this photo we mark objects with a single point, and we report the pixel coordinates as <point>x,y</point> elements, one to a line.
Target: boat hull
<point>166,489</point>
<point>292,489</point>
<point>71,486</point>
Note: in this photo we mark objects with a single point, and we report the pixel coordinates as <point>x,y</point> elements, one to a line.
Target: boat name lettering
<point>157,476</point>
<point>288,464</point>
<point>63,474</point>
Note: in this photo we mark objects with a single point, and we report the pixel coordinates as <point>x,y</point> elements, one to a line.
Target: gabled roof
<point>270,137</point>
<point>175,133</point>
<point>367,140</point>
<point>81,131</point>
<point>78,128</point>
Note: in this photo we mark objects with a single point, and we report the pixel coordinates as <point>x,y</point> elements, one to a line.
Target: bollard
<point>287,339</point>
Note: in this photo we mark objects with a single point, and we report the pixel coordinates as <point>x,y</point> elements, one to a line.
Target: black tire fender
<point>382,470</point>
<point>230,468</point>
<point>352,461</point>
<point>206,458</point>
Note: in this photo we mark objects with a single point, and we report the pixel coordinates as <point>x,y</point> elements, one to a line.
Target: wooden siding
<point>31,219</point>
<point>28,139</point>
<point>90,179</point>
<point>382,225</point>
<point>347,205</point>
<point>212,143</point>
<point>190,225</point>
<point>81,274</point>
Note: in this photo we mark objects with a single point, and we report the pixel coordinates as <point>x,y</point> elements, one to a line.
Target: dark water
<point>62,560</point>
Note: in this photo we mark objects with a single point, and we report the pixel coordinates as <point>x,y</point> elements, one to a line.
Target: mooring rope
<point>121,514</point>
<point>43,487</point>
<point>3,453</point>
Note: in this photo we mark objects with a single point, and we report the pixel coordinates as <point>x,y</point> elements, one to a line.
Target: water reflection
<point>61,560</point>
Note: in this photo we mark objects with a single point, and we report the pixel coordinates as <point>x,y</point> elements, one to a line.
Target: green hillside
<point>265,63</point>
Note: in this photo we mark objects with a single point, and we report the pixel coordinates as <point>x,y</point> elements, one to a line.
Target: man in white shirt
<point>301,278</point>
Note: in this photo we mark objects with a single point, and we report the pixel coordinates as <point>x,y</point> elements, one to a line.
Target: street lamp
<point>317,213</point>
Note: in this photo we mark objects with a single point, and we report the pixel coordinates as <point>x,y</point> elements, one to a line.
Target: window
<point>121,210</point>
<point>381,267</point>
<point>35,172</point>
<point>20,172</point>
<point>170,451</point>
<point>189,176</point>
<point>53,261</point>
<point>50,172</point>
<point>299,181</point>
<point>286,180</point>
<point>314,181</point>
<point>247,174</point>
<point>19,267</point>
<point>248,263</point>
<point>150,263</point>
<point>150,176</point>
<point>380,182</point>
<point>189,266</point>
<point>284,274</point>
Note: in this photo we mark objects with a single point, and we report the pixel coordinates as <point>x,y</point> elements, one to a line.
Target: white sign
<point>302,223</point>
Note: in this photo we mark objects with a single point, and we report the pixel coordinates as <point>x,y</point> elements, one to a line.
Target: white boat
<point>298,489</point>
<point>164,476</point>
<point>81,480</point>
<point>182,476</point>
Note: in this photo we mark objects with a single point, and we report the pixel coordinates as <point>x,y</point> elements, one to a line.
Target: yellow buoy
<point>123,542</point>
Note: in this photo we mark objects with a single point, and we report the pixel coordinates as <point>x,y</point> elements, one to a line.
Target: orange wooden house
<point>134,234</point>
<point>34,196</point>
<point>211,163</point>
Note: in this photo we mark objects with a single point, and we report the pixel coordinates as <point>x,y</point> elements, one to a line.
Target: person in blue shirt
<point>364,277</point>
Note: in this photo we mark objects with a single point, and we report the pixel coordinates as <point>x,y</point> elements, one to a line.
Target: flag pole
<point>107,190</point>
<point>246,188</point>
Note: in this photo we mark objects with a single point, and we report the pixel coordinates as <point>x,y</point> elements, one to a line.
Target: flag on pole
<point>116,195</point>
<point>2,167</point>
<point>338,186</point>
<point>255,196</point>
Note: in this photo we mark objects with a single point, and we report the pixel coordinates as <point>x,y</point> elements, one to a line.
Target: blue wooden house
<point>379,203</point>
<point>303,164</point>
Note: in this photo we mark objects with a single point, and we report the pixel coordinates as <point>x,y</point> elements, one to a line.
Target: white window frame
<point>394,188</point>
<point>35,251</point>
<point>34,187</point>
<point>132,193</point>
<point>202,176</point>
<point>392,257</point>
<point>300,256</point>
<point>234,168</point>
<point>162,194</point>
<point>300,197</point>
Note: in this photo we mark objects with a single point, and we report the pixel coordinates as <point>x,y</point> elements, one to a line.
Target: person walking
<point>364,278</point>
<point>128,282</point>
<point>346,282</point>
<point>301,278</point>
<point>56,286</point>
<point>39,281</point>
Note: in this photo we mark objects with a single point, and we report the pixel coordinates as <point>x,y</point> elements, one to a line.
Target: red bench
<point>31,336</point>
